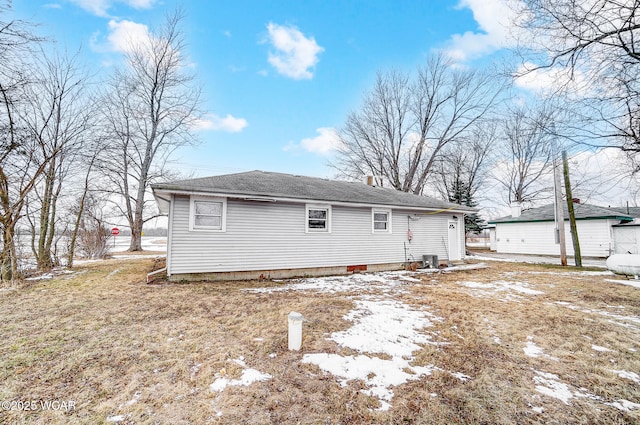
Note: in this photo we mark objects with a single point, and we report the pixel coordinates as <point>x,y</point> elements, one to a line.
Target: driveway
<point>532,259</point>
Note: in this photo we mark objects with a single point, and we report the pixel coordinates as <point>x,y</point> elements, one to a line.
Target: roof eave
<point>164,190</point>
<point>621,218</point>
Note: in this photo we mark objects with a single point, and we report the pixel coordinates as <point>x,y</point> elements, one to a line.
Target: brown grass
<point>115,346</point>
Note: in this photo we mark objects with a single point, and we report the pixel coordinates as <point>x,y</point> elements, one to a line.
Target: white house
<point>266,225</point>
<point>534,230</point>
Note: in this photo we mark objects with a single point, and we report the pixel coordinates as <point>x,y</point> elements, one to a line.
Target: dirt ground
<point>500,343</point>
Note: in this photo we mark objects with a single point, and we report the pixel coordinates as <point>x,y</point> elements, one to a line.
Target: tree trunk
<point>136,237</point>
<point>8,260</point>
<point>43,256</point>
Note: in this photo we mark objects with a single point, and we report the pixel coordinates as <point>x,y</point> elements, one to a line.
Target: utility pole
<point>572,214</point>
<point>560,235</point>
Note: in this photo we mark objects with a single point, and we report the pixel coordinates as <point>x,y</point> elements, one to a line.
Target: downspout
<point>170,235</point>
<point>155,272</point>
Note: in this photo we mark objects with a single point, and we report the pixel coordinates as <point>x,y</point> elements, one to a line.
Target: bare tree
<point>92,234</point>
<point>598,43</point>
<point>405,123</point>
<point>464,168</point>
<point>527,158</point>
<point>581,35</point>
<point>86,198</point>
<point>21,160</point>
<point>148,112</point>
<point>58,116</point>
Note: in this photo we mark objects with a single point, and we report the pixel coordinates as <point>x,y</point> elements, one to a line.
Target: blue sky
<point>277,76</point>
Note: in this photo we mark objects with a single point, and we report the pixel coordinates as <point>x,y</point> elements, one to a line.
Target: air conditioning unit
<point>430,261</point>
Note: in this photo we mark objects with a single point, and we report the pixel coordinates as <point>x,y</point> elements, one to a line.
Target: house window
<point>381,221</point>
<point>318,218</point>
<point>208,214</point>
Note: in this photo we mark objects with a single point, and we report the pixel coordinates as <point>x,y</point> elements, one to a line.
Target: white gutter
<point>305,201</point>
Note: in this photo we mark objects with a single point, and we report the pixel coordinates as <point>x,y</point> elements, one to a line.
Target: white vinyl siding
<point>538,238</point>
<point>273,235</point>
<point>381,220</point>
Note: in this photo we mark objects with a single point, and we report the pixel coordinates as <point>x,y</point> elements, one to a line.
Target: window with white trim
<point>381,221</point>
<point>208,214</point>
<point>318,218</point>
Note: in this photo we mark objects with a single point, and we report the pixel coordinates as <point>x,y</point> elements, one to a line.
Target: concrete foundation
<point>283,273</point>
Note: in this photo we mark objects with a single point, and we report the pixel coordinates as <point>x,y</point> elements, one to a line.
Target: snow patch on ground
<point>551,386</point>
<point>380,326</point>
<point>600,348</point>
<point>577,273</point>
<point>625,405</point>
<point>249,376</point>
<point>496,339</point>
<point>532,350</point>
<point>511,289</point>
<point>361,283</point>
<point>628,375</point>
<point>634,283</point>
<point>378,374</point>
<point>58,271</point>
<point>133,400</point>
<point>387,326</point>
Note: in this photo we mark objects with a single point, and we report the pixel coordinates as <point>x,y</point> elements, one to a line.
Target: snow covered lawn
<point>489,343</point>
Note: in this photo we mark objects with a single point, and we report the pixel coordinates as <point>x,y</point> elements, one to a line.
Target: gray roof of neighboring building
<point>287,186</point>
<point>582,212</point>
<point>632,211</point>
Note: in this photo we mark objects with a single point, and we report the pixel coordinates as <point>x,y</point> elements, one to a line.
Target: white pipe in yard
<point>295,331</point>
<point>155,272</point>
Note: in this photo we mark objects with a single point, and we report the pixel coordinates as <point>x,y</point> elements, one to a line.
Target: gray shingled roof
<point>582,211</point>
<point>277,185</point>
<point>632,211</point>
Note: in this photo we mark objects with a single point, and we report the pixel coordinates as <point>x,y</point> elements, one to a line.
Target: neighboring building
<point>626,238</point>
<point>260,224</point>
<point>534,231</point>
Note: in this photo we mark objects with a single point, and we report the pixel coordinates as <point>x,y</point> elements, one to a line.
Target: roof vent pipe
<point>370,180</point>
<point>516,210</point>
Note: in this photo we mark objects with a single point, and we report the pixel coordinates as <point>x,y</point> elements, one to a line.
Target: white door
<point>454,241</point>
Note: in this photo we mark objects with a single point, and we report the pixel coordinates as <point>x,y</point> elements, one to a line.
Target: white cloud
<point>294,55</point>
<point>213,122</point>
<point>544,81</point>
<point>495,19</point>
<point>101,7</point>
<point>324,143</point>
<point>124,35</point>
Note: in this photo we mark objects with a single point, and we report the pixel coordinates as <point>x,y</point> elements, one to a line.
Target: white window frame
<point>375,211</point>
<point>192,210</point>
<point>309,207</point>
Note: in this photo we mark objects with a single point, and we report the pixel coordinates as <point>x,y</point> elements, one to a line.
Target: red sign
<point>115,231</point>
